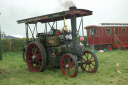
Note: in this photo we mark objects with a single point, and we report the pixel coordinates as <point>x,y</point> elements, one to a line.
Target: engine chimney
<point>73,25</point>
<point>72,7</point>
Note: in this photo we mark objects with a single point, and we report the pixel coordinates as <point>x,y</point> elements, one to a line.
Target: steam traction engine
<point>58,48</point>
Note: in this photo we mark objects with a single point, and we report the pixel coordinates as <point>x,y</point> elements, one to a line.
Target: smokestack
<point>73,25</point>
<point>72,7</point>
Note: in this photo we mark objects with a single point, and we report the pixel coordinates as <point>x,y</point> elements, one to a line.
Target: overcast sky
<point>104,11</point>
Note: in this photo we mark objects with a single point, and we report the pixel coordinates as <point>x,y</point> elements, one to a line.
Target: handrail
<point>117,41</point>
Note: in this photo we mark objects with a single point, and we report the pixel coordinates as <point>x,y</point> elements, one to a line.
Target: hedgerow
<point>12,45</point>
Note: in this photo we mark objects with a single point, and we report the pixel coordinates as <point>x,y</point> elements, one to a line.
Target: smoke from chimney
<point>66,3</point>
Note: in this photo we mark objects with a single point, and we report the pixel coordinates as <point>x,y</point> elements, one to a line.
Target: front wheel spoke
<point>86,56</point>
<point>93,64</point>
<point>84,59</point>
<point>90,67</point>
<point>93,61</point>
<point>85,66</point>
<point>91,57</point>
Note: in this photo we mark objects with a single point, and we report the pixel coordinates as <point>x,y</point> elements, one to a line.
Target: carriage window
<point>92,31</point>
<point>116,30</point>
<point>123,30</point>
<point>108,30</point>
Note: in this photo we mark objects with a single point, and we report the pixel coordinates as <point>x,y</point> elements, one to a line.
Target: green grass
<point>14,71</point>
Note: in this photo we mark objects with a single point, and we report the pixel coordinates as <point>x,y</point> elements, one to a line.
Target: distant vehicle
<point>58,48</point>
<point>3,35</point>
<point>108,35</point>
<point>14,36</point>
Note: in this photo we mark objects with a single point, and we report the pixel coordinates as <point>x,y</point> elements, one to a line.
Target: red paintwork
<point>125,45</point>
<point>110,48</point>
<point>101,38</point>
<point>34,65</point>
<point>58,32</point>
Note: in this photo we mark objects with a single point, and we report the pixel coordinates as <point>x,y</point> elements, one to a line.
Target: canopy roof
<point>91,26</point>
<point>56,16</point>
<point>107,25</point>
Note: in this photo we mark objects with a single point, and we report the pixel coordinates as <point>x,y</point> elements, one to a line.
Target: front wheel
<point>69,65</point>
<point>91,60</point>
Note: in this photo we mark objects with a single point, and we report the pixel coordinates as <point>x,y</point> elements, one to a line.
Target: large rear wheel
<point>69,65</point>
<point>36,57</point>
<point>91,60</point>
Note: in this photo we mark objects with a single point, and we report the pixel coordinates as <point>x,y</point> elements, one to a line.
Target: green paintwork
<point>63,49</point>
<point>52,41</point>
<point>56,16</point>
<point>55,61</point>
<point>44,17</point>
<point>0,46</point>
<point>60,49</point>
<point>52,61</point>
<point>56,50</point>
<point>41,38</point>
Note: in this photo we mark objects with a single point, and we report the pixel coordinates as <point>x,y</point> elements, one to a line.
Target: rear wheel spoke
<point>35,67</point>
<point>64,62</point>
<point>69,60</point>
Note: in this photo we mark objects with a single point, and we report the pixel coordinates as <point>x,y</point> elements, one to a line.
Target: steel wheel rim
<point>34,57</point>
<point>68,66</point>
<point>90,60</point>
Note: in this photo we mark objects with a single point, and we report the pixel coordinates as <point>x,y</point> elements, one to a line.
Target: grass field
<point>14,71</point>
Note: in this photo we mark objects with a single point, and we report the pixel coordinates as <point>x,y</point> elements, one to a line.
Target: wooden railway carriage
<point>56,48</point>
<point>108,35</point>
